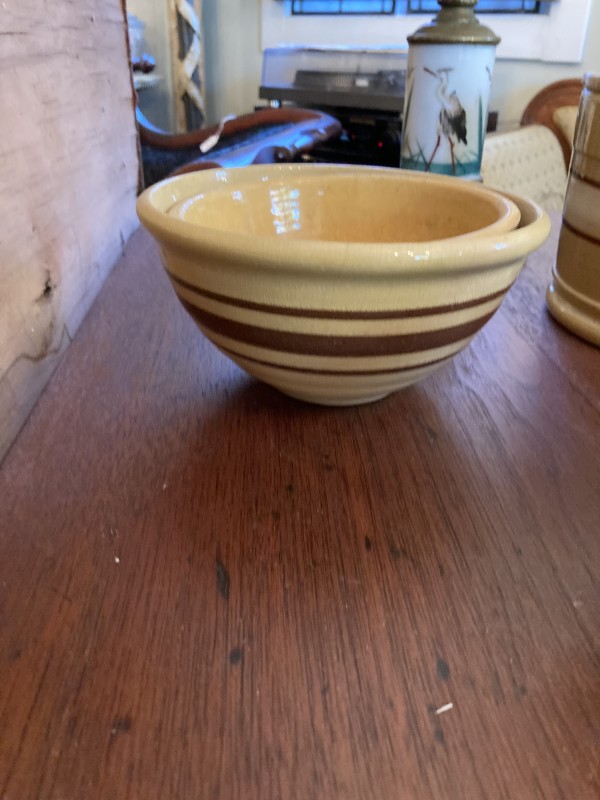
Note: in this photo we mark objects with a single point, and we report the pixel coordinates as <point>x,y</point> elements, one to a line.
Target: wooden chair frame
<point>304,128</point>
<point>542,106</point>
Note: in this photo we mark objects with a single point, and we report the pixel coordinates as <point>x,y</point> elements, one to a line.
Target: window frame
<point>556,37</point>
<point>361,12</point>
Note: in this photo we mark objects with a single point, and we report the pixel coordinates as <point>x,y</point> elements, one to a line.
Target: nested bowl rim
<point>458,254</point>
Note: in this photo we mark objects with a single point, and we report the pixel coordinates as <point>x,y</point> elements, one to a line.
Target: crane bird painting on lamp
<point>450,64</point>
<point>452,122</point>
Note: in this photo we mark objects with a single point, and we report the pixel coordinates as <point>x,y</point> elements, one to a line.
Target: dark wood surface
<point>208,590</point>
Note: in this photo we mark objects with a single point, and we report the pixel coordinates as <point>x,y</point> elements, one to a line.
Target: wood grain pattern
<point>67,185</point>
<point>208,590</point>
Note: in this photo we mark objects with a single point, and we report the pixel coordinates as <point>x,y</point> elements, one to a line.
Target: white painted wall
<point>156,103</point>
<point>234,59</point>
<point>515,82</point>
<point>556,36</point>
<point>233,62</point>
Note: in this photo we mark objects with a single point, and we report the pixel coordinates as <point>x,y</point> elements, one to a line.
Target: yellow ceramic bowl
<point>334,311</point>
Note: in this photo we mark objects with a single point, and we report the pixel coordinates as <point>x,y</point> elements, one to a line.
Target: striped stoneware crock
<point>574,293</point>
<point>337,285</point>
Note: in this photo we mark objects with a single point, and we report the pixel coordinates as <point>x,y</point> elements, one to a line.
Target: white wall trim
<point>557,37</point>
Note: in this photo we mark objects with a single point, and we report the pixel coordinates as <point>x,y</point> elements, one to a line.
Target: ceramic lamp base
<point>445,110</point>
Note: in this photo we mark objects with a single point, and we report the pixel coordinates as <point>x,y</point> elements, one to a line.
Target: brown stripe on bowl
<point>425,363</point>
<point>320,313</point>
<point>342,324</point>
<point>333,387</point>
<point>328,345</point>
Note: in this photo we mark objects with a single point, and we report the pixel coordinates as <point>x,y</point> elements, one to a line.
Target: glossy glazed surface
<point>346,205</point>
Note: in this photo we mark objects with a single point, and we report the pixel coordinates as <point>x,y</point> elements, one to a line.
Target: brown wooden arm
<point>306,128</point>
<point>280,147</point>
<point>542,106</point>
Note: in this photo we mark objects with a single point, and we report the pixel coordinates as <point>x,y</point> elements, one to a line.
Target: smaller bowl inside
<point>353,205</point>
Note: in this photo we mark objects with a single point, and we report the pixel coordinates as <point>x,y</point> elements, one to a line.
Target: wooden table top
<point>209,590</point>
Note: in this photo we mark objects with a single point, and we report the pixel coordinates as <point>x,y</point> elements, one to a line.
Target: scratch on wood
<point>222,580</point>
<point>442,669</point>
<point>121,725</point>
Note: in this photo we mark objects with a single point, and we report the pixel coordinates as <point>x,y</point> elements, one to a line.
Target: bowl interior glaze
<point>348,205</point>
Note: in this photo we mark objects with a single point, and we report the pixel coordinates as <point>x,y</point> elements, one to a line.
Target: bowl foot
<point>334,401</point>
<point>334,387</point>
